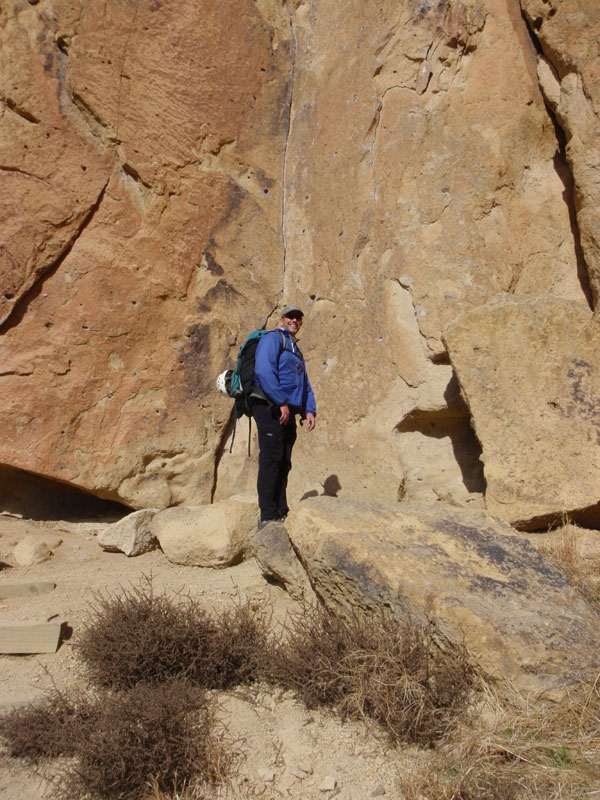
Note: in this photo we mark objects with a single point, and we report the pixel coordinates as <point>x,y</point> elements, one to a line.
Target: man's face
<point>291,323</point>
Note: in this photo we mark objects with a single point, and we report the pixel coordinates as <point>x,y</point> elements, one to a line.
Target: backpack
<point>239,382</point>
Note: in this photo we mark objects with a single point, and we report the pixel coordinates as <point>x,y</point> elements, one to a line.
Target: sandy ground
<point>287,750</point>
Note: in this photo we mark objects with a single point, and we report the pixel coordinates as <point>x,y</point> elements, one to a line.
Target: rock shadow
<point>331,486</point>
<point>454,423</point>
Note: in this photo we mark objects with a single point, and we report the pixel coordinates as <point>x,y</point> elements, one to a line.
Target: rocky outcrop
<point>483,583</point>
<point>173,171</point>
<point>435,182</point>
<point>528,368</point>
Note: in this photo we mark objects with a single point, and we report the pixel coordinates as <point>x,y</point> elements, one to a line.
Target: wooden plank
<point>30,637</point>
<point>25,589</point>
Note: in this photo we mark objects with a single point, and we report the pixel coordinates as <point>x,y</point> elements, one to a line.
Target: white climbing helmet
<point>224,381</point>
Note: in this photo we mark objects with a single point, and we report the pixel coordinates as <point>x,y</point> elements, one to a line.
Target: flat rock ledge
<point>484,583</point>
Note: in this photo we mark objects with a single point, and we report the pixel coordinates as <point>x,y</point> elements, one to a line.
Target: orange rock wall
<point>173,172</point>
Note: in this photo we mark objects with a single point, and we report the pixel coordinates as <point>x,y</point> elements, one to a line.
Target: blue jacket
<point>282,374</point>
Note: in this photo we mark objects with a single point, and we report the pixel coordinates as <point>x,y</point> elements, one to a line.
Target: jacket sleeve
<point>311,404</point>
<point>266,367</point>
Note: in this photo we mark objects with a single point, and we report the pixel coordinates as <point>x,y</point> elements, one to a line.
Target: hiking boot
<point>264,522</point>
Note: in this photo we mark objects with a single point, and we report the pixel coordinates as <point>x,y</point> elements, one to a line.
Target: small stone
<point>260,788</point>
<point>31,551</point>
<point>306,768</point>
<point>328,784</point>
<point>378,791</point>
<point>132,535</point>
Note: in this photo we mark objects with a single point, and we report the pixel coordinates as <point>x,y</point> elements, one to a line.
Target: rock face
<point>140,208</point>
<point>485,584</point>
<point>174,172</point>
<point>569,73</point>
<point>529,370</point>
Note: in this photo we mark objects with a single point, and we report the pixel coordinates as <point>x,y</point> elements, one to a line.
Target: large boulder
<point>216,535</point>
<point>486,585</point>
<point>529,370</point>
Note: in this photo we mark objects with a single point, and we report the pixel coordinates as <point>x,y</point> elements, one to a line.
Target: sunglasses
<point>294,316</point>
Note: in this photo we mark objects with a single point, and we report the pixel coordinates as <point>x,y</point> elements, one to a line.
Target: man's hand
<point>285,414</point>
<point>310,421</point>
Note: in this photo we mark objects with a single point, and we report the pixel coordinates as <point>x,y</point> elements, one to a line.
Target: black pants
<point>275,444</point>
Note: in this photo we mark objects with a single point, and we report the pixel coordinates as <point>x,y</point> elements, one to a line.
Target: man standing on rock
<point>280,375</point>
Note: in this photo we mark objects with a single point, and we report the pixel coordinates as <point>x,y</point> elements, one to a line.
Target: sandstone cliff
<point>422,178</point>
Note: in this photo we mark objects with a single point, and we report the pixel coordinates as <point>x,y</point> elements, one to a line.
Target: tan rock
<point>154,221</point>
<point>30,551</point>
<point>485,584</point>
<point>528,368</point>
<point>434,182</point>
<point>568,33</point>
<point>172,171</point>
<point>132,535</point>
<point>216,535</point>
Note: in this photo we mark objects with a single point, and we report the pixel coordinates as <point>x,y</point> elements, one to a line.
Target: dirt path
<point>287,751</point>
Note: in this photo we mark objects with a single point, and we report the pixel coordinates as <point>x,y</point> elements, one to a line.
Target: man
<point>280,375</point>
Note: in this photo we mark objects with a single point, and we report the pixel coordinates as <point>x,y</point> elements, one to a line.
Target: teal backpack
<point>239,382</point>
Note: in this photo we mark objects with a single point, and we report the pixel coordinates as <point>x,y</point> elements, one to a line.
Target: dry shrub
<point>44,730</point>
<point>473,786</point>
<point>119,744</point>
<point>160,734</point>
<point>406,676</point>
<point>140,636</point>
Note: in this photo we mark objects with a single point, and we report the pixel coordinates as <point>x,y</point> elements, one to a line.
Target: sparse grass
<point>141,636</point>
<point>120,744</point>
<point>407,677</point>
<point>583,573</point>
<point>513,748</point>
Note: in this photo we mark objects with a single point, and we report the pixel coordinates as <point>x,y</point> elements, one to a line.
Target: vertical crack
<point>287,138</point>
<point>565,173</point>
<point>122,67</point>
